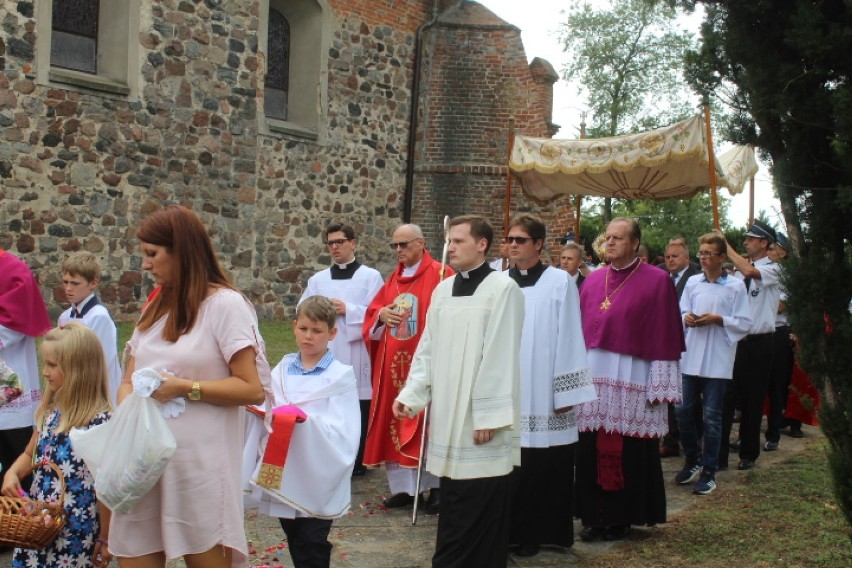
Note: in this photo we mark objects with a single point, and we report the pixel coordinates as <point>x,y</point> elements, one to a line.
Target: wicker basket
<point>27,523</point>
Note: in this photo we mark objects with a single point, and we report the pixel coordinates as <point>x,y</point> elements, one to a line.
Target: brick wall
<point>478,82</point>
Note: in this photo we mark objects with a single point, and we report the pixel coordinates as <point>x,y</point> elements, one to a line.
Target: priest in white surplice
<point>554,378</point>
<point>351,286</point>
<point>467,365</point>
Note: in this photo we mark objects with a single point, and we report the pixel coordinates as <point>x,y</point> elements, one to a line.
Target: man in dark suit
<point>680,269</point>
<point>570,260</point>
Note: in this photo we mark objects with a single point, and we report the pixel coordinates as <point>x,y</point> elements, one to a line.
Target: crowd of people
<point>507,396</point>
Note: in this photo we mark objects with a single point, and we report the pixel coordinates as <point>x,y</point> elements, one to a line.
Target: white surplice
<point>554,367</point>
<point>19,353</point>
<point>357,293</point>
<point>467,365</point>
<point>317,475</point>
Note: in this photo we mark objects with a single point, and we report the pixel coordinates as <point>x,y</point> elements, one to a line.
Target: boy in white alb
<point>81,275</point>
<point>715,311</point>
<point>303,478</point>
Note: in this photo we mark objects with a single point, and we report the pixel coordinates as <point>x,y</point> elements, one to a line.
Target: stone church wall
<point>79,169</point>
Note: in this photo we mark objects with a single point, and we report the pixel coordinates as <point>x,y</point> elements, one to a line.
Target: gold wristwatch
<point>195,391</point>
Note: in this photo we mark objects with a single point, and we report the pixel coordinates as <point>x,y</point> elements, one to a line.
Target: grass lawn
<point>783,516</point>
<point>278,336</point>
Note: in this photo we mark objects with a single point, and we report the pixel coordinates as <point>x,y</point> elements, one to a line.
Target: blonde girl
<point>75,396</point>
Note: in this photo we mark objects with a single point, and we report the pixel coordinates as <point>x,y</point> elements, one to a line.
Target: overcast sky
<point>539,21</point>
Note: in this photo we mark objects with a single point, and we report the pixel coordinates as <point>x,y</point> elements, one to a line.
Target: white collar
<point>411,270</point>
<point>635,260</point>
<point>344,266</point>
<point>79,305</point>
<point>466,273</point>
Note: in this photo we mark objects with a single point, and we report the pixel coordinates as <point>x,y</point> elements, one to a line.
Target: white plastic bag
<point>126,455</point>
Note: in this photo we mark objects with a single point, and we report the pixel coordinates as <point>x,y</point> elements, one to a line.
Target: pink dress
<point>197,503</point>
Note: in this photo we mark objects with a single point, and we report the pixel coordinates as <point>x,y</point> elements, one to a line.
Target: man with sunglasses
<point>554,378</point>
<point>392,327</point>
<point>351,287</point>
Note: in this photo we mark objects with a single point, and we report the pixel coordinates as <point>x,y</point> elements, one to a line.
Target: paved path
<point>373,537</point>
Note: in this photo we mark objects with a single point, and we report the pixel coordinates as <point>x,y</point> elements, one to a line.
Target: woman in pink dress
<point>202,336</point>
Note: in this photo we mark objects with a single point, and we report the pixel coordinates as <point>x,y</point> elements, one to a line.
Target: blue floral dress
<point>75,544</point>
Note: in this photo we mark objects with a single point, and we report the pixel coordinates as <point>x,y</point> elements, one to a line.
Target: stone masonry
<point>80,168</point>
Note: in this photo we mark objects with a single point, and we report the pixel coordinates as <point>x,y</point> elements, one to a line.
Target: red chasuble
<point>389,439</point>
<point>21,305</point>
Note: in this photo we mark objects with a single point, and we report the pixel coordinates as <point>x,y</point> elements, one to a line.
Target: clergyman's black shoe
<point>591,534</point>
<point>617,532</point>
<point>432,505</point>
<point>399,500</point>
<point>527,550</point>
<point>745,464</point>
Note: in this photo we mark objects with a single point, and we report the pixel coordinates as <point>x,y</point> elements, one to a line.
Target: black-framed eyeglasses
<point>401,244</point>
<point>519,240</point>
<point>707,253</point>
<point>337,242</point>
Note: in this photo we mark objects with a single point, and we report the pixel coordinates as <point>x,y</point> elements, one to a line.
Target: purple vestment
<point>643,319</point>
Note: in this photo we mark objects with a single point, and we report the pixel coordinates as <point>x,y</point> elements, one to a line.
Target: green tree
<point>783,68</point>
<point>628,60</point>
<point>662,220</point>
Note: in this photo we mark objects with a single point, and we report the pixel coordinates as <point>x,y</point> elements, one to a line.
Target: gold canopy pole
<point>507,202</point>
<point>751,198</point>
<point>712,164</point>
<point>578,200</point>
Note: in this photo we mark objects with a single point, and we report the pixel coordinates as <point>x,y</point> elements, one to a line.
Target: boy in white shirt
<point>305,479</point>
<point>716,314</point>
<point>81,275</point>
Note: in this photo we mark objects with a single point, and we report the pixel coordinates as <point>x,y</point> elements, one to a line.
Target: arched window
<point>278,74</point>
<point>294,37</point>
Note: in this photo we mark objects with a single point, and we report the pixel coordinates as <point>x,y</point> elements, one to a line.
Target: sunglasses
<point>519,240</point>
<point>337,242</point>
<point>707,253</point>
<point>401,244</point>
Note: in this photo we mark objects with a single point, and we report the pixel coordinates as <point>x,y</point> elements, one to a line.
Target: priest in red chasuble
<point>393,325</point>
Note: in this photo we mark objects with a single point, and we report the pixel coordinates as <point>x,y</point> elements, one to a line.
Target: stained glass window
<point>74,42</point>
<point>277,78</point>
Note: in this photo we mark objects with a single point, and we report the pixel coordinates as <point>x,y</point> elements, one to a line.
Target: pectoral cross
<point>605,304</point>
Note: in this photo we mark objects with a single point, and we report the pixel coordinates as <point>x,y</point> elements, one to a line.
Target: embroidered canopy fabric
<point>659,164</point>
<point>739,166</point>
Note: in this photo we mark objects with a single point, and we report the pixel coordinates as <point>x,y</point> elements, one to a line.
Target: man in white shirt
<point>754,353</point>
<point>351,287</point>
<point>715,311</point>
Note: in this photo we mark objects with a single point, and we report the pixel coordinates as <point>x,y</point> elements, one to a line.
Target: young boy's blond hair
<point>83,264</point>
<point>319,309</point>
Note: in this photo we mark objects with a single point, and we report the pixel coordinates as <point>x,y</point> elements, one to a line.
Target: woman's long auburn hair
<point>84,392</point>
<point>195,269</point>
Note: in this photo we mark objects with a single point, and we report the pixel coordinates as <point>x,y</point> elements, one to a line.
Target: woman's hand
<point>171,387</point>
<point>101,556</point>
